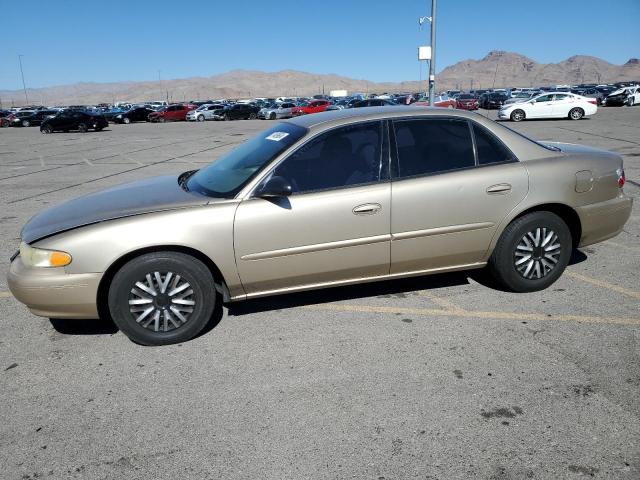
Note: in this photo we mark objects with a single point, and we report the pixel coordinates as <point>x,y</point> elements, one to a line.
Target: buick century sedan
<point>335,198</point>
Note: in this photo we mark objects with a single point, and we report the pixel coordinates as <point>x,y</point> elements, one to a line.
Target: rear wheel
<point>517,115</point>
<point>576,114</point>
<point>532,252</point>
<point>162,298</point>
<point>82,128</point>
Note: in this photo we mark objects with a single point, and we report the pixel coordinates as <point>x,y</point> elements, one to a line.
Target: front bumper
<point>604,220</point>
<point>503,115</point>
<point>53,293</point>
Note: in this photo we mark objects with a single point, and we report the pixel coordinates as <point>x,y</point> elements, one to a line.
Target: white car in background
<point>203,112</point>
<point>550,105</point>
<point>633,97</point>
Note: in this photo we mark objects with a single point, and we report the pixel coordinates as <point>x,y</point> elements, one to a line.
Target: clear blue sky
<point>68,41</point>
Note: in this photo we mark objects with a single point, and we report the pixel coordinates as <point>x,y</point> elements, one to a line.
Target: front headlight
<point>118,116</point>
<point>39,257</point>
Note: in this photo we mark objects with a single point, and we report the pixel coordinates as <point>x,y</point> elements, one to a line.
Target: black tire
<point>99,129</point>
<point>46,129</point>
<point>518,115</point>
<point>511,249</point>
<point>272,116</point>
<point>576,113</point>
<point>190,270</point>
<point>126,120</point>
<point>26,123</point>
<point>252,116</point>
<point>226,117</point>
<point>200,118</point>
<point>82,128</point>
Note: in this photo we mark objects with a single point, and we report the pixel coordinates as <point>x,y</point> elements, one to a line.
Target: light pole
<point>24,86</point>
<point>432,63</point>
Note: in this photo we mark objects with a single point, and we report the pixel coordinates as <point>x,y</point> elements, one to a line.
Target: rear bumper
<point>53,293</point>
<point>604,220</point>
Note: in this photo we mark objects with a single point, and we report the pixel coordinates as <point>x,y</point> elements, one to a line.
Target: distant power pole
<point>24,86</point>
<point>432,63</point>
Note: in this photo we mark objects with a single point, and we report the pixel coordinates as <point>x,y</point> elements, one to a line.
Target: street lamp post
<point>432,63</point>
<point>24,86</point>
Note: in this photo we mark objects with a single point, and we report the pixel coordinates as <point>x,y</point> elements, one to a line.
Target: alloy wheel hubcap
<point>162,301</point>
<point>537,253</point>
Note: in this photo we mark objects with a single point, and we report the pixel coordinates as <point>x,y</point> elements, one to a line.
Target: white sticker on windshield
<point>277,136</point>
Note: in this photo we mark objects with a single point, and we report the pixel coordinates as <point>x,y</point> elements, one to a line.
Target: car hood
<point>145,196</point>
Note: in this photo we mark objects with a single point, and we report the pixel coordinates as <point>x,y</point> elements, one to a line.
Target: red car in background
<point>315,106</point>
<point>172,113</point>
<point>444,101</point>
<point>466,101</point>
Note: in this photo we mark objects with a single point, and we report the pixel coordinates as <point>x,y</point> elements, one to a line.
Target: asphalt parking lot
<point>434,377</point>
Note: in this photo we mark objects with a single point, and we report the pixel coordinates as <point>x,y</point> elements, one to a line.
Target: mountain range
<point>496,69</point>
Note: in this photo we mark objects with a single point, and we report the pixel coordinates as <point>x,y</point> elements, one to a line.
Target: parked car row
<point>514,104</point>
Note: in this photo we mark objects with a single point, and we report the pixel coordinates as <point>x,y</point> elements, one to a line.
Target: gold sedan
<point>330,199</point>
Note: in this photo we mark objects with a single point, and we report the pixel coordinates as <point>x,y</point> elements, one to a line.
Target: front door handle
<point>500,188</point>
<point>367,209</point>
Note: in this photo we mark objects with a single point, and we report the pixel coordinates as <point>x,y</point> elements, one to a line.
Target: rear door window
<point>429,146</point>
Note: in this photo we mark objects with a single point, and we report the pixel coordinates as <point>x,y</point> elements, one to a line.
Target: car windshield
<point>229,174</point>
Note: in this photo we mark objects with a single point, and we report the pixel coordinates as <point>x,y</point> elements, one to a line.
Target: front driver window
<point>340,158</point>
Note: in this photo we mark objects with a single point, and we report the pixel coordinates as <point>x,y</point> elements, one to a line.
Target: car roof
<point>372,113</point>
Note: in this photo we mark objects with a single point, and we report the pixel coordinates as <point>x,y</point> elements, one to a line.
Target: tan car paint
<point>325,243</point>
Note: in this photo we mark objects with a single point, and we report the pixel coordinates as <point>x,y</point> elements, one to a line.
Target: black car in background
<point>492,101</point>
<point>74,120</point>
<point>34,119</point>
<point>137,114</point>
<point>239,111</point>
<point>590,92</point>
<point>373,102</point>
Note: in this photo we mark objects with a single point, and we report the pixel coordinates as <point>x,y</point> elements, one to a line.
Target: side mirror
<point>275,187</point>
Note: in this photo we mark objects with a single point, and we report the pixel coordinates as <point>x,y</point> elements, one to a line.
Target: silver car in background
<point>203,112</point>
<point>277,111</point>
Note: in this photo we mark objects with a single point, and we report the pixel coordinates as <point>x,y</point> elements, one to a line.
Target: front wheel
<point>272,116</point>
<point>83,128</point>
<point>517,115</point>
<point>576,114</point>
<point>200,118</point>
<point>162,298</point>
<point>252,116</point>
<point>26,123</point>
<point>46,129</point>
<point>126,120</point>
<point>532,252</point>
<point>226,117</point>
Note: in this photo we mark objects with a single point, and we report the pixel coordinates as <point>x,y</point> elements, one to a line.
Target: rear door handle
<point>500,188</point>
<point>367,209</point>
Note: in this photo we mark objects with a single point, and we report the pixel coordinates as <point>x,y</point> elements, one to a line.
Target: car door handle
<point>367,209</point>
<point>499,188</point>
